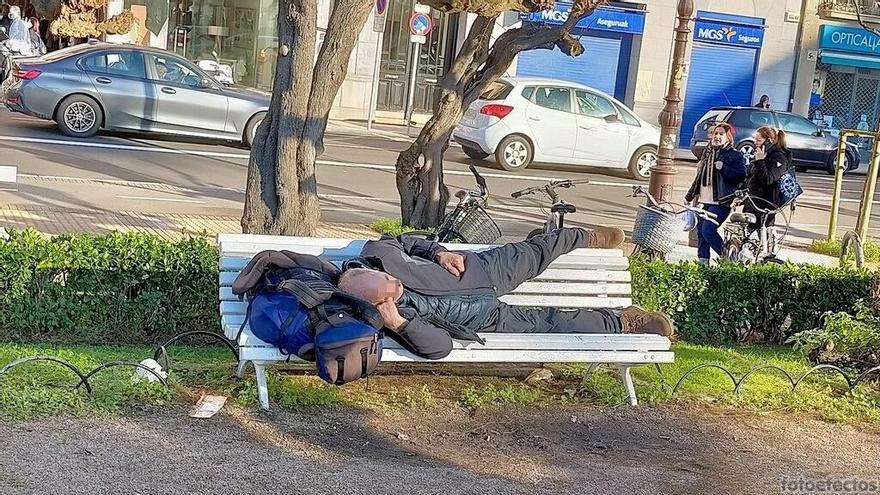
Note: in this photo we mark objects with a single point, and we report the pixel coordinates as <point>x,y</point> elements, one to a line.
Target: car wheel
<point>514,153</point>
<point>474,153</point>
<point>641,163</point>
<point>831,167</point>
<point>250,131</point>
<point>79,116</point>
<point>748,151</point>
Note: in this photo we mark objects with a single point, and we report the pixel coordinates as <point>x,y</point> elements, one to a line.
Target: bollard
<point>838,185</point>
<point>868,193</point>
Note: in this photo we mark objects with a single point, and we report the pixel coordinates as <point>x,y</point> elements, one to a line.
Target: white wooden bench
<point>586,278</point>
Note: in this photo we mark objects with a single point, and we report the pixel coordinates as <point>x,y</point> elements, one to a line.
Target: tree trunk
<point>282,195</point>
<point>423,195</point>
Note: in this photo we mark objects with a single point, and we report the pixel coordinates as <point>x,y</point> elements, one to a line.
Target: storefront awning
<point>850,59</point>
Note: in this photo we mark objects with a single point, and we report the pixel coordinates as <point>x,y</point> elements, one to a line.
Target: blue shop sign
<point>712,31</point>
<point>603,19</point>
<point>848,39</point>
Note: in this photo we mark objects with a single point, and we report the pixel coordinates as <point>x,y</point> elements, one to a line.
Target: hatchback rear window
<point>714,116</point>
<point>497,91</point>
<point>752,119</point>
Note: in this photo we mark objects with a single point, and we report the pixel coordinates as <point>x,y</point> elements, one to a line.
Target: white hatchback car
<point>525,120</point>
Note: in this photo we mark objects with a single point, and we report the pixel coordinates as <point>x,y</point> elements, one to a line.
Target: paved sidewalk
<point>50,220</point>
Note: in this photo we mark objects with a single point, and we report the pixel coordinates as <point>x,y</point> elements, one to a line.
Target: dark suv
<point>811,147</point>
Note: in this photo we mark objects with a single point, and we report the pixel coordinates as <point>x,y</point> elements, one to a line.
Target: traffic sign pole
<point>411,94</point>
<point>379,27</point>
<point>420,25</point>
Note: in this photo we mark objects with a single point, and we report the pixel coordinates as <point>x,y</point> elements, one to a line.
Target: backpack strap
<point>310,294</point>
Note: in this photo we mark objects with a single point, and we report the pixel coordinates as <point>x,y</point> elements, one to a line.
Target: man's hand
<point>393,320</point>
<point>453,262</point>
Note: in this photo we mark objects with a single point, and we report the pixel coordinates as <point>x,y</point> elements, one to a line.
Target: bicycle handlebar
<point>640,191</point>
<point>742,196</point>
<point>552,185</point>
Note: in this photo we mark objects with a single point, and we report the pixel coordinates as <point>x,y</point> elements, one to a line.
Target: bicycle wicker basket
<point>656,230</point>
<point>477,227</point>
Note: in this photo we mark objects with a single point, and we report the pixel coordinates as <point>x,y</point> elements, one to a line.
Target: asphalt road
<point>150,174</point>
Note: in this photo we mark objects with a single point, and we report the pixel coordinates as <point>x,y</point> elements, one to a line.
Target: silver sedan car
<point>133,88</point>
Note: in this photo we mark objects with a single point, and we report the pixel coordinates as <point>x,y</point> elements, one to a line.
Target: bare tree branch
<point>862,23</point>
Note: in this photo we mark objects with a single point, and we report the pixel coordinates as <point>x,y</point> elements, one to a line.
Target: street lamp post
<point>663,175</point>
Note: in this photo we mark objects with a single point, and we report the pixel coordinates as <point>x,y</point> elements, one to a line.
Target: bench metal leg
<point>626,376</point>
<point>242,367</point>
<point>262,384</point>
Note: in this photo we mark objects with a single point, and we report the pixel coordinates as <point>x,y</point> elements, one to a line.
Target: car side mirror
<point>612,118</point>
<point>819,133</point>
<point>205,84</point>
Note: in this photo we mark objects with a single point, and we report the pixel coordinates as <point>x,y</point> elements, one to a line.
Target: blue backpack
<point>301,311</point>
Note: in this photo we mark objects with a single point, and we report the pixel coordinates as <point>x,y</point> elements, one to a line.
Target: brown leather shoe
<point>606,238</point>
<point>637,320</point>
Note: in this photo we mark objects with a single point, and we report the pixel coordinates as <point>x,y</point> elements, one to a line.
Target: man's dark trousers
<point>510,265</point>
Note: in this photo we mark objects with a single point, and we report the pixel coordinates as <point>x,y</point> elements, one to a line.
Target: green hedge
<point>733,303</point>
<point>116,288</point>
<point>136,288</point>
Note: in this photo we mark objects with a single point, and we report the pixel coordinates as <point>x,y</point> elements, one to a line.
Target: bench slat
<point>250,245</point>
<point>498,341</point>
<point>565,302</point>
<point>535,288</point>
<point>550,275</point>
<point>237,263</point>
<point>495,356</point>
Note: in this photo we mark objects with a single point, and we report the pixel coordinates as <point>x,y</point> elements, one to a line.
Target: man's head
<point>14,12</point>
<point>370,285</point>
<point>161,70</point>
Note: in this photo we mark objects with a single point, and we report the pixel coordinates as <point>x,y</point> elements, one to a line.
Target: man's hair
<point>348,281</point>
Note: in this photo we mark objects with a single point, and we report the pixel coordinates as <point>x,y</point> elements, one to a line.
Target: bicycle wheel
<point>651,254</point>
<point>732,251</point>
<point>745,253</point>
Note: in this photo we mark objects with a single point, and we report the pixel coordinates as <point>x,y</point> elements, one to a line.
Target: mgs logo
<point>729,33</point>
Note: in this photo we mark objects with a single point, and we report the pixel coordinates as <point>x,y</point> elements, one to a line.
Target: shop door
<point>599,52</point>
<point>719,76</point>
<point>434,57</point>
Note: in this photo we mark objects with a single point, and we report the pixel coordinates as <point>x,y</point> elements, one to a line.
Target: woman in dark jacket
<point>772,161</point>
<point>720,173</point>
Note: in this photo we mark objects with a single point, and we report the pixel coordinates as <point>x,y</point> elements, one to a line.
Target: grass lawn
<point>45,389</point>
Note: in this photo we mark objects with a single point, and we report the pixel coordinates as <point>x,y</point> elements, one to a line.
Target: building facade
<point>738,51</point>
<point>838,80</point>
<point>244,35</point>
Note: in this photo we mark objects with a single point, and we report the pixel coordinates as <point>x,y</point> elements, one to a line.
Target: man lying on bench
<point>427,294</point>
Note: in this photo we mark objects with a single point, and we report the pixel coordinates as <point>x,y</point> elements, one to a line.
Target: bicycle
<point>556,215</point>
<point>468,223</point>
<point>741,244</point>
<point>658,226</point>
